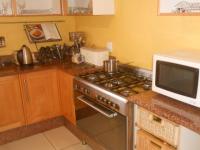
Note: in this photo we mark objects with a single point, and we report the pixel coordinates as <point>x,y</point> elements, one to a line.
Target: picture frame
<point>44,32</point>
<point>179,7</point>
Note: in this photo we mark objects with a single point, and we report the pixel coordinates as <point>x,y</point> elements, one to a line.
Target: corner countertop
<point>173,110</point>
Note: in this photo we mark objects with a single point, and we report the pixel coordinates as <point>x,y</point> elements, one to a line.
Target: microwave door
<point>177,78</point>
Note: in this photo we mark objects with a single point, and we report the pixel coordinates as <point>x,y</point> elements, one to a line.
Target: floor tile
<point>61,138</point>
<point>36,142</point>
<point>78,147</point>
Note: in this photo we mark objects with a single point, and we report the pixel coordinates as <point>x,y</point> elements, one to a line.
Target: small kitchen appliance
<point>95,56</point>
<point>24,56</point>
<point>176,75</point>
<point>102,107</point>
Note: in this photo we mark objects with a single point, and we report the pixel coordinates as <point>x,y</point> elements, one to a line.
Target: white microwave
<point>176,75</point>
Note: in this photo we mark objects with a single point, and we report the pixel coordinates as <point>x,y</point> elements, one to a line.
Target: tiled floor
<point>56,139</point>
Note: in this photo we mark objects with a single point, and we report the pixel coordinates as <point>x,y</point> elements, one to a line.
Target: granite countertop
<point>173,110</point>
<point>71,68</point>
<point>163,106</point>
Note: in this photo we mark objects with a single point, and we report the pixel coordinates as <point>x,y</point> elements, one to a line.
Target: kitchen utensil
<point>111,65</point>
<point>78,58</point>
<point>24,56</point>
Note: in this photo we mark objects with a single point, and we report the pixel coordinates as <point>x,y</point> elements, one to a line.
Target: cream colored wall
<point>137,32</point>
<point>15,34</point>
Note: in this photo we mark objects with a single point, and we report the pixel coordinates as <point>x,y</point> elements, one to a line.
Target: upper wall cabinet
<point>89,7</point>
<point>6,8</point>
<point>42,7</point>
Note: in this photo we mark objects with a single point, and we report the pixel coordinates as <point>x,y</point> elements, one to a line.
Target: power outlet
<point>109,46</point>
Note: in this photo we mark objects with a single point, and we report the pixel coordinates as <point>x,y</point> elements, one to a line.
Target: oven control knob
<point>77,87</point>
<point>100,98</point>
<point>105,100</point>
<point>109,102</point>
<point>86,91</point>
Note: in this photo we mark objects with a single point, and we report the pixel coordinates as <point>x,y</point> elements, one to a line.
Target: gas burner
<point>92,77</point>
<point>147,86</point>
<point>102,76</point>
<point>109,85</point>
<point>117,82</point>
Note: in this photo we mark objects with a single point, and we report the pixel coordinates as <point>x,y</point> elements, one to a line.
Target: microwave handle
<point>104,111</point>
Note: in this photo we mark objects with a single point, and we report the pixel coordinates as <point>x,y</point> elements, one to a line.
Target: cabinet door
<point>146,141</point>
<point>6,8</point>
<point>11,110</point>
<point>35,7</point>
<point>66,92</point>
<point>89,7</point>
<point>41,95</point>
<point>79,7</point>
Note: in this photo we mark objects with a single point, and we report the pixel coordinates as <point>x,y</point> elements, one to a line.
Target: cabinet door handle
<point>26,90</point>
<point>156,119</point>
<point>156,145</point>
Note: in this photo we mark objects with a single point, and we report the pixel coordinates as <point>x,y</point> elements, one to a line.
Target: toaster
<point>95,56</point>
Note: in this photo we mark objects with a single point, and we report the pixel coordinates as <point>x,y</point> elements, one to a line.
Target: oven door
<point>107,127</point>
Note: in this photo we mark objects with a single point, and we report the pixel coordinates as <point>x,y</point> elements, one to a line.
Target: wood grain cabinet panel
<point>11,109</point>
<point>66,95</point>
<point>146,141</point>
<point>41,95</point>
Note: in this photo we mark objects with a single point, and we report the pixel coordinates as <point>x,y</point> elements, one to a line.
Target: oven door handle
<point>101,109</point>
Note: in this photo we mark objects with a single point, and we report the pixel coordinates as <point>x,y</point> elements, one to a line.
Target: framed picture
<point>179,7</point>
<point>45,32</point>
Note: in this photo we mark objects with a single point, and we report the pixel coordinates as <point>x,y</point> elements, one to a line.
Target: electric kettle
<point>24,56</point>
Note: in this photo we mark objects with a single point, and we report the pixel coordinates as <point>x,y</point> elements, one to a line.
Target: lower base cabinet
<point>41,95</point>
<point>146,141</point>
<point>11,109</point>
<point>66,96</point>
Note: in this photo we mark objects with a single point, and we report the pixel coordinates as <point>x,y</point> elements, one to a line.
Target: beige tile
<point>78,147</point>
<point>2,147</point>
<point>36,142</point>
<point>61,138</point>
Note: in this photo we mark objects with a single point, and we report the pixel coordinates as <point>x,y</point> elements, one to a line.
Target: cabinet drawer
<point>146,141</point>
<point>162,128</point>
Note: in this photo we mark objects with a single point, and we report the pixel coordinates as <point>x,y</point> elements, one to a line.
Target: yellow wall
<point>16,37</point>
<point>137,31</point>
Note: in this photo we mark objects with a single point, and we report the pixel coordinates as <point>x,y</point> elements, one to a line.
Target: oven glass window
<point>177,78</point>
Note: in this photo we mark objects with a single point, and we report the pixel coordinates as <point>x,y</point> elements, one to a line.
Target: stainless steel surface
<point>111,65</point>
<point>24,56</point>
<point>103,110</point>
<point>102,96</point>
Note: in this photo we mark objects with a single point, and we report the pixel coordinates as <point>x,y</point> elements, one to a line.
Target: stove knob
<point>77,87</point>
<point>99,98</point>
<point>109,102</point>
<point>86,91</point>
<point>105,100</point>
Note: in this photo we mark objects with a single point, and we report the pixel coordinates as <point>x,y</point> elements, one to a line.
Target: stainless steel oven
<point>104,124</point>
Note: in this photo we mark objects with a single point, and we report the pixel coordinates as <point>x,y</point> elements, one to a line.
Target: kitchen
<point>134,33</point>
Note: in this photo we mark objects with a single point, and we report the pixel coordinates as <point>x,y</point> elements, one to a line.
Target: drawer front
<point>157,126</point>
<point>146,141</point>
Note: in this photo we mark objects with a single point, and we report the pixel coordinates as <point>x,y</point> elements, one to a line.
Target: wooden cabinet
<point>146,141</point>
<point>43,7</point>
<point>89,7</point>
<point>66,92</point>
<point>11,110</point>
<point>6,7</point>
<point>41,95</point>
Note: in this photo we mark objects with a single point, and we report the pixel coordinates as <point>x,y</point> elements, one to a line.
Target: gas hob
<point>111,90</point>
<point>123,84</point>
